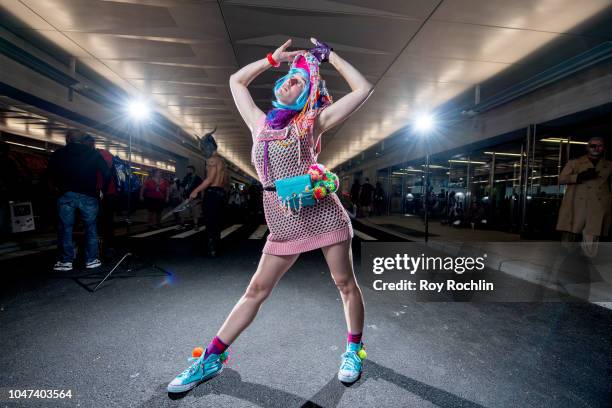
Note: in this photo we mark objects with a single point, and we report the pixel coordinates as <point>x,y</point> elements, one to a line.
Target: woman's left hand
<point>321,50</point>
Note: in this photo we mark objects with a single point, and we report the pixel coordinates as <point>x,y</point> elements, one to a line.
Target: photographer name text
<point>425,285</point>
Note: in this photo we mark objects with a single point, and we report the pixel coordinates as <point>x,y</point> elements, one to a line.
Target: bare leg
<point>271,268</point>
<point>339,259</point>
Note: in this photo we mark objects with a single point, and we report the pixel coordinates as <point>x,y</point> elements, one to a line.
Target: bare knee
<point>257,292</point>
<point>346,285</point>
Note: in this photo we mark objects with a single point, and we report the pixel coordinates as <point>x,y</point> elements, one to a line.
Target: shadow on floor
<point>230,383</point>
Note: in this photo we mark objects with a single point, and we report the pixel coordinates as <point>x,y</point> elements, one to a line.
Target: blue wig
<point>301,100</point>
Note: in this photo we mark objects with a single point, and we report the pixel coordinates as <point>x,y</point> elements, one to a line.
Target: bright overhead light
<point>138,109</point>
<point>424,122</point>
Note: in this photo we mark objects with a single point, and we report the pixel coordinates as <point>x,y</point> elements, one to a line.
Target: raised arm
<point>241,80</point>
<point>345,106</point>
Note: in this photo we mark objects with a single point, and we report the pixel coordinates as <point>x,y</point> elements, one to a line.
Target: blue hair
<point>301,100</point>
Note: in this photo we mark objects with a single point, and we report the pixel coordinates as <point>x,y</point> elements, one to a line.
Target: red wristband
<point>272,61</point>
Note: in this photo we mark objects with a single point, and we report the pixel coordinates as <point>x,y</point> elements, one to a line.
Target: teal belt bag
<point>295,192</point>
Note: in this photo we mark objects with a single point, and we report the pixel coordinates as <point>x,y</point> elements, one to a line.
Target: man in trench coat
<point>586,207</point>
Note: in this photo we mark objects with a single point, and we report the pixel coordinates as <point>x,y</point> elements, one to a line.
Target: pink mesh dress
<point>313,227</point>
<point>289,152</point>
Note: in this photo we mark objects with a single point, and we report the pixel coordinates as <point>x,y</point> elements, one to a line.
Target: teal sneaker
<point>201,370</point>
<point>350,367</point>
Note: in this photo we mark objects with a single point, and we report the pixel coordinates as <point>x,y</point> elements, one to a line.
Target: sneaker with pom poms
<point>351,365</point>
<point>200,370</point>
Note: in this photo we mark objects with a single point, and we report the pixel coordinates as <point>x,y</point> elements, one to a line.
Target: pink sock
<point>216,346</point>
<point>354,338</point>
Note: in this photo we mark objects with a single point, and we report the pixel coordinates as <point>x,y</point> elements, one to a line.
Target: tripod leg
<point>112,270</point>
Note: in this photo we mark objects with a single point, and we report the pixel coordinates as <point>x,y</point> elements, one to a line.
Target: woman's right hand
<point>280,55</point>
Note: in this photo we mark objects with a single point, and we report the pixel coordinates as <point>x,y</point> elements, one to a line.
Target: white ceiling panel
<point>414,67</point>
<point>556,16</point>
<point>191,21</point>
<point>24,16</point>
<point>144,70</point>
<point>104,46</point>
<point>476,43</point>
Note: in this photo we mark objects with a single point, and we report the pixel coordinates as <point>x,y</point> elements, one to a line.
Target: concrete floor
<point>120,346</point>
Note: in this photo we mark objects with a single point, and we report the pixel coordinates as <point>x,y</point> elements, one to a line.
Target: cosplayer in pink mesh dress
<point>290,152</point>
<point>286,142</point>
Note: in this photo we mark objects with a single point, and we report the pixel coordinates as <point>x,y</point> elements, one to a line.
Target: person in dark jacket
<point>73,171</point>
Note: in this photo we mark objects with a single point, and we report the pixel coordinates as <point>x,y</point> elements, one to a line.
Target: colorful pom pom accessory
<point>324,182</point>
<point>297,192</point>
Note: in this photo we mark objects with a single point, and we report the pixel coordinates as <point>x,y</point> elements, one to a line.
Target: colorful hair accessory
<point>300,62</point>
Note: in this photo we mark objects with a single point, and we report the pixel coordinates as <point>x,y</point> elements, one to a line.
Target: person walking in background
<point>379,199</point>
<point>365,198</point>
<point>155,192</point>
<point>73,174</point>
